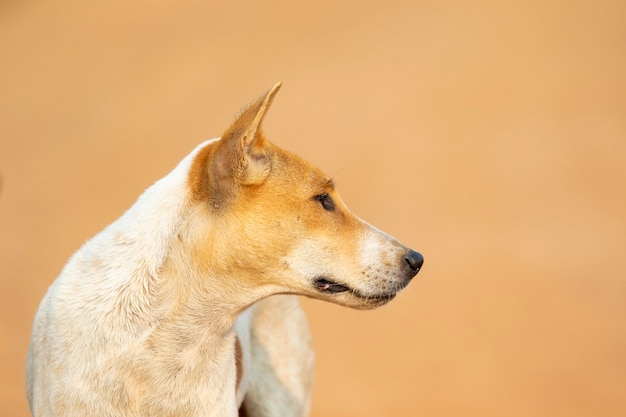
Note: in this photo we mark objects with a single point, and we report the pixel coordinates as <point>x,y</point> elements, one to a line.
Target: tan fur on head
<point>247,177</point>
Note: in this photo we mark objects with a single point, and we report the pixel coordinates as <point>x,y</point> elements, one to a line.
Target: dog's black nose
<point>414,260</point>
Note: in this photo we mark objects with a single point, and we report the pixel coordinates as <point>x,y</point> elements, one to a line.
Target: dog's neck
<point>152,263</point>
<point>201,301</point>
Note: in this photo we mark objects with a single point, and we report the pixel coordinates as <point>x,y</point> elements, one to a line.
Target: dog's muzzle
<point>413,263</point>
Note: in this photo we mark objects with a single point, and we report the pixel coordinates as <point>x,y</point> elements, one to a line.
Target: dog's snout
<point>414,260</point>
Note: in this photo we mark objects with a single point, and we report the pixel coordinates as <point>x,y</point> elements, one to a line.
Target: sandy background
<point>488,135</point>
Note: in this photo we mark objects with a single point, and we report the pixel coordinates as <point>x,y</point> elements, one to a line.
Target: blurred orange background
<point>488,135</point>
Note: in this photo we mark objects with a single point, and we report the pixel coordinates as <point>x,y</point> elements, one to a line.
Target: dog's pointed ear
<point>248,125</point>
<point>242,157</point>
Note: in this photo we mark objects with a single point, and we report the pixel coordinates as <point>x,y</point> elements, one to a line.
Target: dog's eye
<point>326,201</point>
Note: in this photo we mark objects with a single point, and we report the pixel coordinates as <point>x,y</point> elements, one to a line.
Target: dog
<point>186,305</point>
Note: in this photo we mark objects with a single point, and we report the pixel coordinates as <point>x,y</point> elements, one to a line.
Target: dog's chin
<point>349,297</point>
<point>371,302</point>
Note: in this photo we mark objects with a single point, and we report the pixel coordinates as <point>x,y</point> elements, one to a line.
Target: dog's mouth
<point>324,285</point>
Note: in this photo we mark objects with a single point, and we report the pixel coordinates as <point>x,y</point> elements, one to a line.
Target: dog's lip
<point>375,298</point>
<point>323,284</point>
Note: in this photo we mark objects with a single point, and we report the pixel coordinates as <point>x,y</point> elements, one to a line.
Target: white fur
<point>91,337</point>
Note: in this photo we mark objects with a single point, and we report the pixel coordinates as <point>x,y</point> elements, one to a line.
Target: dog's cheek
<point>308,260</point>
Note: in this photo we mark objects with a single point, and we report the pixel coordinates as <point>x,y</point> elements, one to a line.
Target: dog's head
<point>276,222</point>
